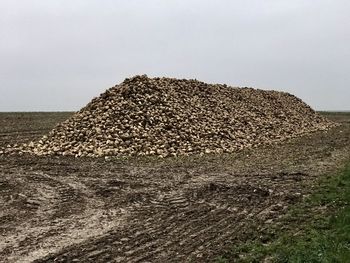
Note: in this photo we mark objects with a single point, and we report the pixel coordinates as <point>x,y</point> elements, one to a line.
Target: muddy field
<point>191,209</point>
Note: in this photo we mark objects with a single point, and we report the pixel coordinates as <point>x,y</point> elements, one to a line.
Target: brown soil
<point>64,209</point>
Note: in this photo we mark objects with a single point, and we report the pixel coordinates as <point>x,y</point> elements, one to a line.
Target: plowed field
<point>189,209</point>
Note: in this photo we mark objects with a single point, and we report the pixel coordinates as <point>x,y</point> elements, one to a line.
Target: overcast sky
<point>57,55</point>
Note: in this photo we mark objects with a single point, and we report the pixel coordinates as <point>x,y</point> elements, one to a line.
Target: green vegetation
<point>316,230</point>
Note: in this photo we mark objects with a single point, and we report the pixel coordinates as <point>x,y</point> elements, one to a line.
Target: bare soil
<point>189,209</point>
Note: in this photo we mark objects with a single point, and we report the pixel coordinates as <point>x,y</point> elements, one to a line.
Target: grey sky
<point>57,55</point>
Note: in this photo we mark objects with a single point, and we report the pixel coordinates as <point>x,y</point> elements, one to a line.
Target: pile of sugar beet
<point>172,117</point>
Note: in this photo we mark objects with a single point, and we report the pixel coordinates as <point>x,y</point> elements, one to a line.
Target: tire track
<point>63,212</point>
<point>150,240</point>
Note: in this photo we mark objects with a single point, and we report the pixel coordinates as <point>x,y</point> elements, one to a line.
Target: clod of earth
<point>170,117</point>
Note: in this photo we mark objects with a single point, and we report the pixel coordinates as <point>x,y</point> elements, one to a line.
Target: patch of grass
<point>316,230</point>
